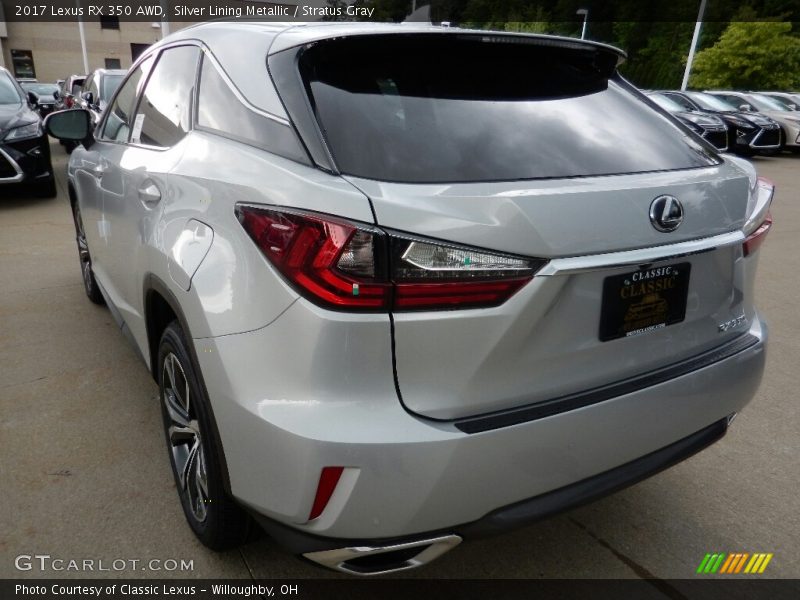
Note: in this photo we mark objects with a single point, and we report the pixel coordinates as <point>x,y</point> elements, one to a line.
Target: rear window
<point>450,108</point>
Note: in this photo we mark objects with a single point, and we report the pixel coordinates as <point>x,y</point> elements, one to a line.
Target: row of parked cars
<point>746,123</point>
<point>24,146</point>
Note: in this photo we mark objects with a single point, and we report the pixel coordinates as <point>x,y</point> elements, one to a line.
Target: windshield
<point>40,89</point>
<point>709,102</point>
<point>788,102</point>
<point>765,103</point>
<point>484,110</point>
<point>8,91</point>
<point>666,103</point>
<point>110,85</point>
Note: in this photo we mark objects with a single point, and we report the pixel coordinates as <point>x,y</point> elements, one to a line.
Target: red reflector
<point>327,483</point>
<point>755,239</point>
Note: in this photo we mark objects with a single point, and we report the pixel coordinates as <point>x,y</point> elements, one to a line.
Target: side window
<point>686,105</point>
<point>94,89</point>
<point>164,115</point>
<point>119,121</point>
<point>220,111</point>
<point>86,84</point>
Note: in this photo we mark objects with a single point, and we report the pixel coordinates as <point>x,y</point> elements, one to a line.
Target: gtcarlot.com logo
<point>45,562</point>
<point>735,563</point>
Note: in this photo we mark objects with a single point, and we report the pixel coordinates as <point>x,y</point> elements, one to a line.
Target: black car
<point>710,127</point>
<point>748,132</point>
<point>45,95</point>
<point>24,146</point>
<point>97,90</point>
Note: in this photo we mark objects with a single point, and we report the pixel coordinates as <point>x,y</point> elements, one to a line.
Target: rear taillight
<point>759,220</point>
<point>755,239</point>
<point>340,264</point>
<point>332,261</point>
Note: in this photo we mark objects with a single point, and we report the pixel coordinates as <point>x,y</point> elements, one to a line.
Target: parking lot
<point>84,472</point>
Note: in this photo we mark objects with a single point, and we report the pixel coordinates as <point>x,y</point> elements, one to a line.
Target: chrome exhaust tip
<point>380,560</point>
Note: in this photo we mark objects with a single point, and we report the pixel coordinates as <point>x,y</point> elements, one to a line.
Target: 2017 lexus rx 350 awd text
<point>393,302</point>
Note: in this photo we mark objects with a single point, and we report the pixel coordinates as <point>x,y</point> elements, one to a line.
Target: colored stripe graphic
<point>703,563</point>
<point>728,564</point>
<point>745,556</point>
<point>733,563</point>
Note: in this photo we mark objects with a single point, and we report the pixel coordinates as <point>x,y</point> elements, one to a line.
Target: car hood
<point>699,118</point>
<point>14,115</point>
<point>750,117</point>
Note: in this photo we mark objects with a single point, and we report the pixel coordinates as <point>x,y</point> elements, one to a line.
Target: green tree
<point>750,55</point>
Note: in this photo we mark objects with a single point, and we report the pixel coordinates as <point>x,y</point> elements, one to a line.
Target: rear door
<point>139,171</point>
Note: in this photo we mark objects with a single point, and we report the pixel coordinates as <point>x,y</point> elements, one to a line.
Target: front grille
<point>768,137</point>
<point>7,170</point>
<point>718,138</point>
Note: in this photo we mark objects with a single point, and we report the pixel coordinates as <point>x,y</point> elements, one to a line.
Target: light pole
<point>585,13</point>
<point>692,48</point>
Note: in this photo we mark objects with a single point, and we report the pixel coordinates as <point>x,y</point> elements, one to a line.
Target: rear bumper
<point>525,512</point>
<point>406,476</point>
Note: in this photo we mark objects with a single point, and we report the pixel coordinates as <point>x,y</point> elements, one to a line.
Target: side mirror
<point>744,107</point>
<point>33,99</point>
<point>69,125</point>
<point>56,94</point>
<point>88,97</point>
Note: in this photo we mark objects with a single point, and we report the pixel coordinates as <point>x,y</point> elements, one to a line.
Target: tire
<point>89,282</point>
<point>46,189</point>
<point>217,521</point>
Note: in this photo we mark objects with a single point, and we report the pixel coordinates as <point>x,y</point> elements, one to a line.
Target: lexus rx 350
<point>399,288</point>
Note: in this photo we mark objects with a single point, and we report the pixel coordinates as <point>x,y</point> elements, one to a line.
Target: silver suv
<point>402,286</point>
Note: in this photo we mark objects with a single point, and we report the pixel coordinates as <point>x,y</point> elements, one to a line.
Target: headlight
<point>31,130</point>
<point>739,122</point>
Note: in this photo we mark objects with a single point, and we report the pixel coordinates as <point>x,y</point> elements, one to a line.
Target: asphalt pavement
<point>84,472</point>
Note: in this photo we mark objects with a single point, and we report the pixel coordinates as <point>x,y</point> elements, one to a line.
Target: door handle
<point>150,194</point>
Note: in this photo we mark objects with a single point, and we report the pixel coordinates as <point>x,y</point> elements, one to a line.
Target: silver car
<point>788,119</point>
<point>399,290</point>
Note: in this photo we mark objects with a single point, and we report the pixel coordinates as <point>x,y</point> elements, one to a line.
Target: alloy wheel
<point>185,439</point>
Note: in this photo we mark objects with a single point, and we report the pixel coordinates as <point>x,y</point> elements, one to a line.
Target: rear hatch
<point>535,147</point>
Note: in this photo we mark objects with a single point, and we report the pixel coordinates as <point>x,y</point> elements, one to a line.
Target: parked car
<point>707,126</point>
<point>789,100</point>
<point>748,133</point>
<point>45,95</point>
<point>380,331</point>
<point>24,147</point>
<point>70,89</point>
<point>787,119</point>
<point>98,89</point>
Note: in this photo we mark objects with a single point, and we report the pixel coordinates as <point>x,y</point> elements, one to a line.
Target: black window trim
<point>207,54</point>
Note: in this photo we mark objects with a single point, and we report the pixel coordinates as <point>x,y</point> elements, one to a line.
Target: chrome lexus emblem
<point>666,213</point>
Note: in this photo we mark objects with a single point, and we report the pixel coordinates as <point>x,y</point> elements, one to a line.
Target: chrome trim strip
<point>430,549</point>
<point>594,262</point>
<point>19,176</point>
